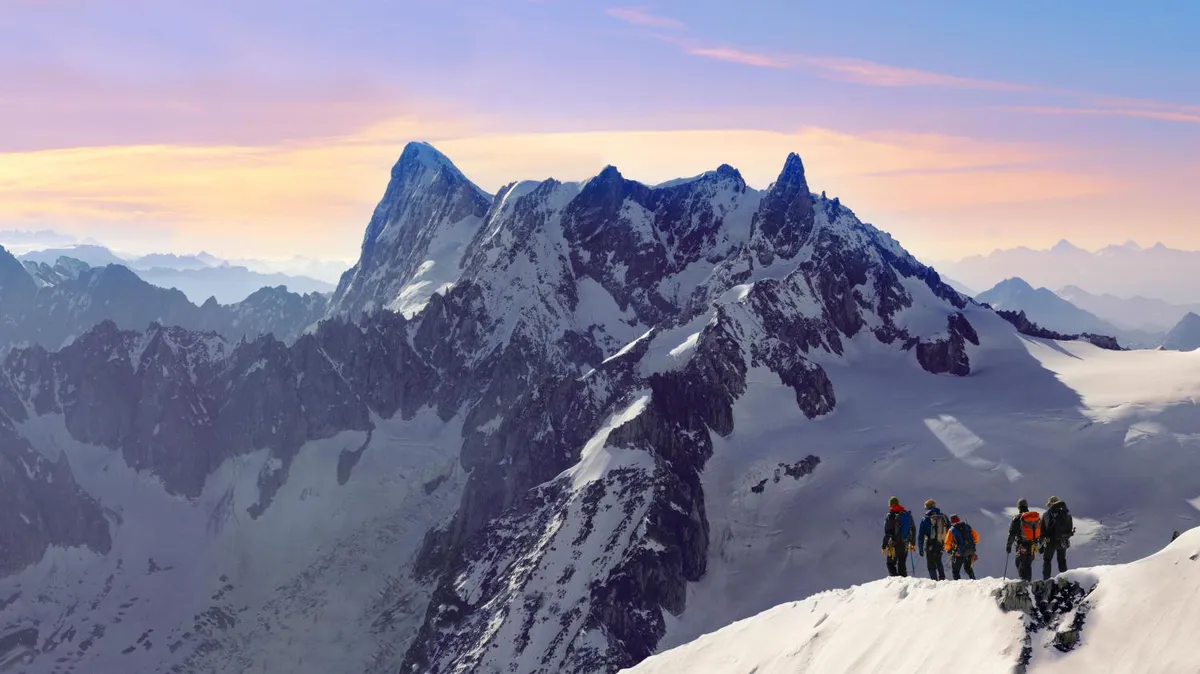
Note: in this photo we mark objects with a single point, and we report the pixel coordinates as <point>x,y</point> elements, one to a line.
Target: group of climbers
<point>1049,533</point>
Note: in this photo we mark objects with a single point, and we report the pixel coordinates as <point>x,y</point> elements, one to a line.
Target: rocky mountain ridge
<point>591,337</point>
<point>52,305</point>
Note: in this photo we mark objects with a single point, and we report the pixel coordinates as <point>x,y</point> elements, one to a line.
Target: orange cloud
<point>314,197</point>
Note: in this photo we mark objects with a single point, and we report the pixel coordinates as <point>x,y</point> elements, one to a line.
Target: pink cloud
<point>1162,112</point>
<point>733,55</point>
<point>641,16</point>
<point>881,75</point>
<point>855,71</point>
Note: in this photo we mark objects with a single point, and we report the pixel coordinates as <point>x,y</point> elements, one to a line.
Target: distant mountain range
<point>1127,270</point>
<point>51,305</point>
<point>1136,313</point>
<point>1052,312</point>
<point>202,275</point>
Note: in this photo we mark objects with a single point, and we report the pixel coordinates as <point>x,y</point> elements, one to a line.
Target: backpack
<point>899,527</point>
<point>906,526</point>
<point>939,525</point>
<point>1031,527</point>
<point>1059,524</point>
<point>964,543</point>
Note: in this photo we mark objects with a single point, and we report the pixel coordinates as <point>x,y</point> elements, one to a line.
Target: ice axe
<point>1006,556</point>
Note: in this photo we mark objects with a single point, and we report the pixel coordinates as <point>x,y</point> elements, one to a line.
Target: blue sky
<point>959,127</point>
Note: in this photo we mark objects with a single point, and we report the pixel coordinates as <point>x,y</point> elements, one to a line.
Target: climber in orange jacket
<point>961,541</point>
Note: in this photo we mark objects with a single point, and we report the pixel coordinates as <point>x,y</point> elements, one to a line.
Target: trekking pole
<point>1006,556</point>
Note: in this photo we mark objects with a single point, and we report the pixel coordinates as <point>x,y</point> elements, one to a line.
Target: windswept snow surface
<point>1141,619</point>
<point>285,591</point>
<point>1114,434</point>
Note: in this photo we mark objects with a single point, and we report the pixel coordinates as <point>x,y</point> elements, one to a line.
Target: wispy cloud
<point>1163,112</point>
<point>870,73</point>
<point>873,74</point>
<point>838,69</point>
<point>641,16</point>
<point>734,55</point>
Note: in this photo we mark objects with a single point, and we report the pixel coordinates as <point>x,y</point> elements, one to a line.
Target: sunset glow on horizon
<point>957,129</point>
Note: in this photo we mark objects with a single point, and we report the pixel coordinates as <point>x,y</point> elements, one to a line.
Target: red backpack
<point>1031,527</point>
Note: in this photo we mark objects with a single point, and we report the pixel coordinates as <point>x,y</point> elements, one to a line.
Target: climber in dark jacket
<point>1057,529</point>
<point>1024,532</point>
<point>930,538</point>
<point>899,537</point>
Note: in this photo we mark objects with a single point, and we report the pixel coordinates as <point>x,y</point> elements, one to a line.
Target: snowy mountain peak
<point>424,155</point>
<point>1185,336</point>
<point>415,240</point>
<point>793,172</point>
<point>1014,284</point>
<point>1065,246</point>
<point>724,172</point>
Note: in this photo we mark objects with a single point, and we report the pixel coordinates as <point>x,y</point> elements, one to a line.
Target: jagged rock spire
<point>786,216</point>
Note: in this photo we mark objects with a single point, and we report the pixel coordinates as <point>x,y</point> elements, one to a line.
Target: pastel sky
<point>267,128</point>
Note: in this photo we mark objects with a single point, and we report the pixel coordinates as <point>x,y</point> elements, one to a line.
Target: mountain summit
<point>415,238</point>
<point>1185,336</point>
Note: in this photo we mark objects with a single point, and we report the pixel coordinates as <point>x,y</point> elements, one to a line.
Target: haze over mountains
<point>1125,271</point>
<point>202,275</point>
<point>1049,310</point>
<point>598,426</point>
<point>50,306</point>
<point>1134,313</point>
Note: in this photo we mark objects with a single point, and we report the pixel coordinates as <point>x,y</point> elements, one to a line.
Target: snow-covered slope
<point>1136,617</point>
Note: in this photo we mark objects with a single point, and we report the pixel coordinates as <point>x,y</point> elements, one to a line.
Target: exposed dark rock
<point>785,219</point>
<point>1028,327</point>
<point>41,505</point>
<point>949,355</point>
<point>1047,604</point>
